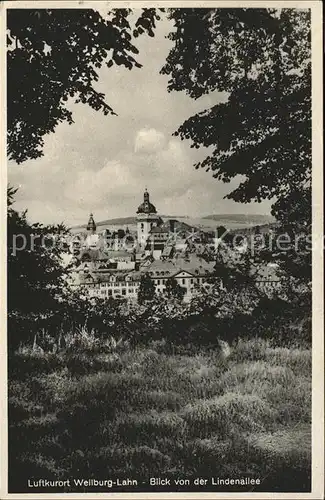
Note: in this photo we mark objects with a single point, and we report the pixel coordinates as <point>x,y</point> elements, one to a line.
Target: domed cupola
<point>146,207</point>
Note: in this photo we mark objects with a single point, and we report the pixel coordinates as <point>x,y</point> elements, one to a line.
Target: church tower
<point>146,219</point>
<point>91,226</point>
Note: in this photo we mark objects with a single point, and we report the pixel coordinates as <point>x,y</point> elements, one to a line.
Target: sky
<point>102,164</point>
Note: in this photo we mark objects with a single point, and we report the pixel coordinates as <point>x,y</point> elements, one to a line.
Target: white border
<point>317,220</point>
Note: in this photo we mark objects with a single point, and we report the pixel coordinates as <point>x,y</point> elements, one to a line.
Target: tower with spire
<point>92,239</point>
<point>91,226</point>
<point>147,218</point>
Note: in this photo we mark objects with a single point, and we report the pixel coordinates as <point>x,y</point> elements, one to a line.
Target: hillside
<point>248,218</point>
<point>230,221</point>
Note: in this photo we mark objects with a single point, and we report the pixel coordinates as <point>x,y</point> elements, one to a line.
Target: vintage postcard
<point>162,250</point>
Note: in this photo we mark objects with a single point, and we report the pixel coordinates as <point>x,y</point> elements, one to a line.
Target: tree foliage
<point>36,274</point>
<point>54,55</point>
<point>174,290</point>
<point>262,133</point>
<point>262,59</point>
<point>146,289</point>
<point>220,231</point>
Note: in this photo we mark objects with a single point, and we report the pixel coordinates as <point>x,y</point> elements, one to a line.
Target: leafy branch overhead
<point>262,59</point>
<point>54,55</point>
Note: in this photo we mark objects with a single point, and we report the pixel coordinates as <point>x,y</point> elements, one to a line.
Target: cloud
<point>149,140</point>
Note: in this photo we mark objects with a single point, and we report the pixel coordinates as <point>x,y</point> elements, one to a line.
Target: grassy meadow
<point>141,412</point>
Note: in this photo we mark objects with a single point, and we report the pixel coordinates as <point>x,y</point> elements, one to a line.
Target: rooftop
<point>146,207</point>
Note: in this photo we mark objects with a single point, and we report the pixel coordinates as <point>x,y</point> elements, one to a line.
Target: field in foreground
<point>142,413</point>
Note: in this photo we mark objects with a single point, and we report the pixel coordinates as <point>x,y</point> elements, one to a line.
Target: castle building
<point>147,219</point>
<point>116,282</point>
<point>112,263</point>
<point>115,271</point>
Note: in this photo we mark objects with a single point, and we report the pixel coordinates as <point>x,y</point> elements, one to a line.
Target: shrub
<point>298,359</point>
<point>140,461</point>
<point>21,364</point>
<point>249,349</point>
<point>150,426</point>
<point>225,414</point>
<point>256,376</point>
<point>293,402</point>
<point>285,446</point>
<point>287,453</point>
<point>160,400</point>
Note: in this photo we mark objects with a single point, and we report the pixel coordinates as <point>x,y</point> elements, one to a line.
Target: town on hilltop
<point>111,263</point>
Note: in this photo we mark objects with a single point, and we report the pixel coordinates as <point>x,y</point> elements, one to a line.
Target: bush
<point>151,426</point>
<point>223,415</point>
<point>298,359</point>
<point>37,363</point>
<point>249,349</point>
<point>160,400</point>
<point>137,461</point>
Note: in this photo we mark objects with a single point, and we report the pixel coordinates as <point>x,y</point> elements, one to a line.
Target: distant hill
<point>208,222</point>
<point>230,221</point>
<point>123,221</point>
<point>119,221</point>
<point>249,218</point>
<point>263,228</point>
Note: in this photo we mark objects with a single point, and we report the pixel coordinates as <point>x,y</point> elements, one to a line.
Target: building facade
<point>112,263</point>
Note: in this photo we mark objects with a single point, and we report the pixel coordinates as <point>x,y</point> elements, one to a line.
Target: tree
<point>60,51</point>
<point>261,134</point>
<point>147,289</point>
<point>174,290</point>
<point>36,275</point>
<point>221,230</point>
<point>261,58</point>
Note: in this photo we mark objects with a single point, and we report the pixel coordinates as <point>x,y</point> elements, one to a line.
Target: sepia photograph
<point>162,300</point>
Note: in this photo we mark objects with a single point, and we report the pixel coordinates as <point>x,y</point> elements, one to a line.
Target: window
<point>123,291</point>
<point>109,292</point>
<point>191,281</point>
<point>158,282</point>
<point>183,281</point>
